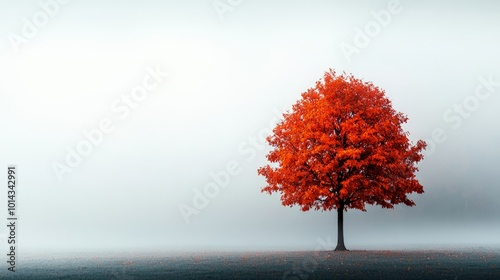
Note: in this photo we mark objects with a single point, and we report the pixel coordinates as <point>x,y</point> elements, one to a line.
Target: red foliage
<point>341,147</point>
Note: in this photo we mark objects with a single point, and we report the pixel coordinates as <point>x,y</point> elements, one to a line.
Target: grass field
<point>424,264</point>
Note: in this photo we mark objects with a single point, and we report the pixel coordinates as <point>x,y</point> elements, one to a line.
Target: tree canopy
<point>342,146</point>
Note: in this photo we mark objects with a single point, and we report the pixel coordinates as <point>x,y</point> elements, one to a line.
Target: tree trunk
<point>340,230</point>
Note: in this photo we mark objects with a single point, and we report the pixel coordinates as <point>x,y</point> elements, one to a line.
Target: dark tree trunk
<point>340,230</point>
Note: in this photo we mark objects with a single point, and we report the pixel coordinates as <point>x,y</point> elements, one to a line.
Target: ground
<point>425,264</point>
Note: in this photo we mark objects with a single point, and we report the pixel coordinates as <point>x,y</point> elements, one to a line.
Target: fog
<point>177,97</point>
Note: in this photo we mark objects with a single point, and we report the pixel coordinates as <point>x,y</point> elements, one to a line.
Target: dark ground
<point>428,264</point>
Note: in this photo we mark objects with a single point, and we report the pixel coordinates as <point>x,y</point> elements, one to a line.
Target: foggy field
<point>134,139</point>
<point>426,264</point>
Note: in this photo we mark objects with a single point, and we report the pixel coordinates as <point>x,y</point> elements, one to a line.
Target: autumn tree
<point>342,147</point>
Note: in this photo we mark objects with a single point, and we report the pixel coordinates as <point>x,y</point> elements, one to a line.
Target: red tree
<point>342,147</point>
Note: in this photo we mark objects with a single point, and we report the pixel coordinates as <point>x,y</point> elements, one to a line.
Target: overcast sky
<point>180,90</point>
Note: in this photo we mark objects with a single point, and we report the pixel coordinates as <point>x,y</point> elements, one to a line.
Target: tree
<point>341,147</point>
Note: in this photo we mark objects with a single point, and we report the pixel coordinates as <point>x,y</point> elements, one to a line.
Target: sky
<point>140,124</point>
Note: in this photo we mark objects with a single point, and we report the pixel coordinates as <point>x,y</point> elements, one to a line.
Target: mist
<point>178,97</point>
